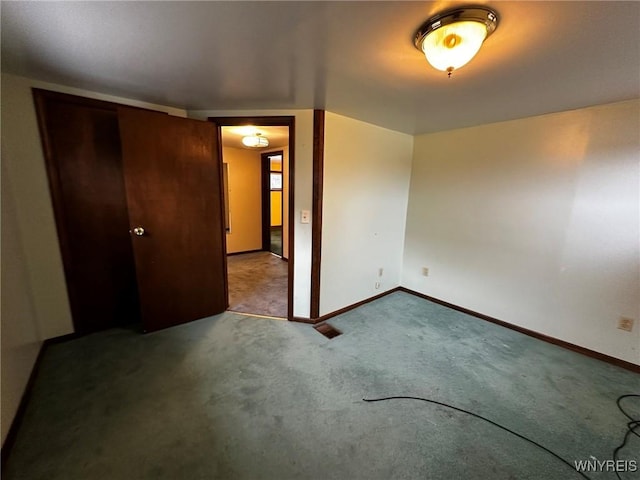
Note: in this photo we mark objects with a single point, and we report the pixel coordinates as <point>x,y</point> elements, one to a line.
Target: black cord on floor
<point>632,426</point>
<point>486,420</point>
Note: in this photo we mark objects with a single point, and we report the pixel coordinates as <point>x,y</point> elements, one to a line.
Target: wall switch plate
<point>425,271</point>
<point>377,285</point>
<point>625,323</point>
<point>305,216</point>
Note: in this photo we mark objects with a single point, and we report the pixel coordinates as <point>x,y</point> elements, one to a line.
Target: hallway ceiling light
<point>255,141</point>
<point>452,38</point>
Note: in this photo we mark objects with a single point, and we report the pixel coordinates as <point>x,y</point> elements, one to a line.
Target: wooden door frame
<point>316,212</point>
<point>265,168</point>
<point>269,121</point>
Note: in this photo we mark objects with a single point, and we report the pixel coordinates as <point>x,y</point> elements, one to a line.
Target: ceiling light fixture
<point>452,38</point>
<point>255,141</point>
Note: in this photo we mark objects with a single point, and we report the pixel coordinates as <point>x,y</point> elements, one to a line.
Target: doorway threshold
<point>257,315</point>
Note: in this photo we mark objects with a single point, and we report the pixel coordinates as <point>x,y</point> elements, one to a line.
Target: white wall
<point>245,199</point>
<point>534,222</point>
<point>303,191</point>
<point>366,182</point>
<point>20,336</point>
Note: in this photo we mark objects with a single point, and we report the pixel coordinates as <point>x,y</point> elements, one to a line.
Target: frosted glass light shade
<point>452,46</point>
<point>255,141</point>
<point>451,38</point>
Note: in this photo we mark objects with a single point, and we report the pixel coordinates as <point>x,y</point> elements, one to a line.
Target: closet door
<point>81,144</point>
<point>173,186</point>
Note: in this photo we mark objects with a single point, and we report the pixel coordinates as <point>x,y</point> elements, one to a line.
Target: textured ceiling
<point>353,58</point>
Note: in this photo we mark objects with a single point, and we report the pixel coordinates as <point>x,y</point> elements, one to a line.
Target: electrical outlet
<point>425,271</point>
<point>377,285</point>
<point>380,271</point>
<point>625,323</point>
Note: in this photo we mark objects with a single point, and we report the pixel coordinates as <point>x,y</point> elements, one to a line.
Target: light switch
<point>305,216</point>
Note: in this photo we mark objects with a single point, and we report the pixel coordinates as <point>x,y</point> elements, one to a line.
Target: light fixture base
<point>480,14</point>
<point>255,141</point>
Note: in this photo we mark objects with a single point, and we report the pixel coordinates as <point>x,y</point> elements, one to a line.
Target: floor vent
<point>327,330</point>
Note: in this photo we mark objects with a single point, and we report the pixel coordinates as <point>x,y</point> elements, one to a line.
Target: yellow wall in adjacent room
<point>245,214</point>
<point>276,209</point>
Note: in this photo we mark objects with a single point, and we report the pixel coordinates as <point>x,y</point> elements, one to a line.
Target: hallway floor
<point>258,284</point>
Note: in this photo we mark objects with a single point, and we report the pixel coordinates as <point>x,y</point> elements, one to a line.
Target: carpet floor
<point>237,397</point>
<point>258,284</point>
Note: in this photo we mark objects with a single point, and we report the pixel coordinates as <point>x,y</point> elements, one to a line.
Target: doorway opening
<point>258,193</point>
<point>272,202</point>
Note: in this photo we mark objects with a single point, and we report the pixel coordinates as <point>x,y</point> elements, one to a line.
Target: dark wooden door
<point>81,143</point>
<point>173,183</point>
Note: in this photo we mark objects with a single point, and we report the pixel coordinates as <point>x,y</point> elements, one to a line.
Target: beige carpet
<point>257,284</point>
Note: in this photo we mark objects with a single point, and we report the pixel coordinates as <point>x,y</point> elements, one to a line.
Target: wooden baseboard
<point>324,318</point>
<point>247,251</point>
<point>303,320</point>
<point>540,336</point>
<point>257,251</point>
<point>26,395</point>
<point>63,338</point>
<point>10,439</point>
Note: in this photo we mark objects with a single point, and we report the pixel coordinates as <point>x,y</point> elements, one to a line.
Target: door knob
<point>139,231</point>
